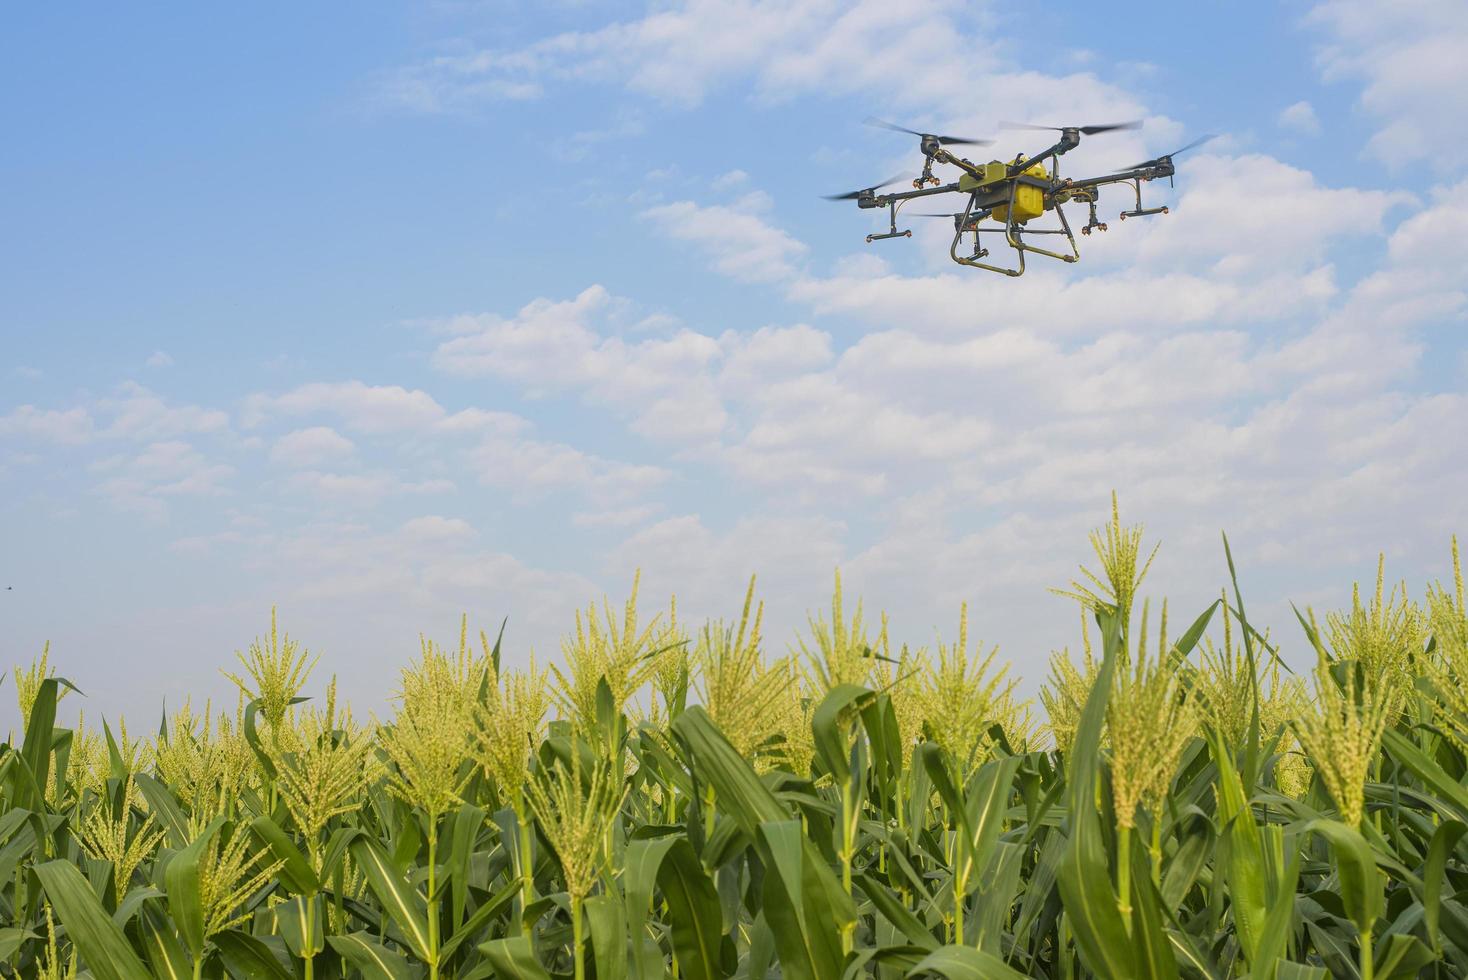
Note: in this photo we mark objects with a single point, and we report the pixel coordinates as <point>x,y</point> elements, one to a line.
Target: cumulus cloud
<point>71,426</point>
<point>143,482</point>
<point>1412,70</point>
<point>361,407</point>
<point>139,413</point>
<point>679,53</point>
<point>311,447</point>
<point>362,488</point>
<point>741,243</point>
<point>1300,118</point>
<point>670,384</point>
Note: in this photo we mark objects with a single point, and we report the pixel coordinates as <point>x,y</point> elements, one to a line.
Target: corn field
<point>677,801</point>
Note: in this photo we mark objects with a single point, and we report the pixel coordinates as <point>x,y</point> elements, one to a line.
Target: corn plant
<point>677,802</point>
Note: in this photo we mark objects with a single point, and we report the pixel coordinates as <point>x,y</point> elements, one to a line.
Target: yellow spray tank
<point>1029,201</point>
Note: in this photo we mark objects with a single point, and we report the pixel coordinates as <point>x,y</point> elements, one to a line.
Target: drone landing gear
<point>970,222</point>
<point>1139,212</point>
<point>1014,233</point>
<point>894,233</point>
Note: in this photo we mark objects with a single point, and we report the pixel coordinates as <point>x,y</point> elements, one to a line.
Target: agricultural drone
<point>1012,194</point>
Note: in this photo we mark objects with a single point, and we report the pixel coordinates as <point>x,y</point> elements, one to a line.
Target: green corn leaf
<point>830,739</point>
<point>164,807</point>
<point>116,768</point>
<point>1444,840</point>
<point>607,917</point>
<point>35,751</point>
<point>134,902</point>
<point>1154,956</point>
<point>104,949</point>
<point>739,791</point>
<point>166,954</point>
<point>1278,924</point>
<point>796,905</point>
<point>964,963</point>
<point>302,920</point>
<point>247,958</point>
<point>374,960</point>
<point>889,961</point>
<point>295,871</point>
<point>693,912</point>
<point>1243,851</point>
<point>996,895</point>
<point>513,958</point>
<point>496,905</point>
<point>1401,957</point>
<point>886,902</point>
<point>401,902</point>
<point>465,828</point>
<point>336,849</point>
<point>181,880</point>
<point>1182,872</point>
<point>11,940</point>
<point>1361,885</point>
<point>1448,789</point>
<point>1334,950</point>
<point>1085,876</point>
<point>252,736</point>
<point>985,807</point>
<point>643,860</point>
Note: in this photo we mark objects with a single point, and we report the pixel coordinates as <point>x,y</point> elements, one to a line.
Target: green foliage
<point>701,813</point>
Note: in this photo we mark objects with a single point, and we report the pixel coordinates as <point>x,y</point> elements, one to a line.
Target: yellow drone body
<point>1029,199</point>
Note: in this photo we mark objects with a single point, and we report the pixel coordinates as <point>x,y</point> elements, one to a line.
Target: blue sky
<point>386,312</point>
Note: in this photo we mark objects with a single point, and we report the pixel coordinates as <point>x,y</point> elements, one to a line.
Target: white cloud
<point>742,244</point>
<point>708,566</point>
<point>624,517</point>
<point>551,346</point>
<point>72,426</point>
<point>528,469</point>
<point>494,446</point>
<point>363,489</point>
<point>673,387</point>
<point>140,414</point>
<point>679,53</point>
<point>159,359</point>
<point>1300,117</point>
<point>144,482</point>
<point>311,447</point>
<point>1410,60</point>
<point>361,407</point>
<point>730,180</point>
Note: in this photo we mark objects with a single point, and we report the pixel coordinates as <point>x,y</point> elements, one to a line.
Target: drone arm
<point>1069,140</point>
<point>1122,177</point>
<point>943,156</point>
<point>883,200</point>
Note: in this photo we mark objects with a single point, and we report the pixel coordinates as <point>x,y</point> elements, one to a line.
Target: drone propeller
<point>942,140</point>
<point>853,195</point>
<point>1156,161</point>
<point>1083,130</point>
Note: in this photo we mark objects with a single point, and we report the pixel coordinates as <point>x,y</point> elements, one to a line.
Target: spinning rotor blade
<point>942,140</point>
<point>853,195</point>
<point>1084,130</point>
<point>1168,156</point>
